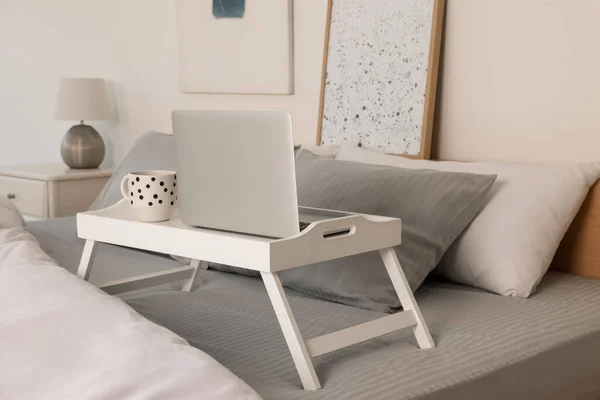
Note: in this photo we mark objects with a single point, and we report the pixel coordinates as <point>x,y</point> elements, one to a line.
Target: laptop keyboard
<point>303,225</point>
<point>335,232</point>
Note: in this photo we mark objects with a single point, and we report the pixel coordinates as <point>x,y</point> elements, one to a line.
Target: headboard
<point>579,251</point>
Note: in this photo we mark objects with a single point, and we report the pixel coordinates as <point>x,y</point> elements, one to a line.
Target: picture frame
<point>235,46</point>
<point>390,81</point>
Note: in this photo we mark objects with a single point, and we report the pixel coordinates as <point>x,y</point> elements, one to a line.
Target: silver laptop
<point>236,171</point>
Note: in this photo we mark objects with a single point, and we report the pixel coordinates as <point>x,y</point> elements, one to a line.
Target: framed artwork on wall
<point>235,46</point>
<point>380,74</point>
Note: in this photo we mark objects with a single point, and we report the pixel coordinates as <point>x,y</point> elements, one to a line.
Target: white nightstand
<point>51,190</point>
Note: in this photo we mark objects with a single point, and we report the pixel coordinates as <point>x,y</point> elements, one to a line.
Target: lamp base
<point>82,147</point>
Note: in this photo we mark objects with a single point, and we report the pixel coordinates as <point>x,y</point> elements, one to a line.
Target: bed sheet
<point>488,346</point>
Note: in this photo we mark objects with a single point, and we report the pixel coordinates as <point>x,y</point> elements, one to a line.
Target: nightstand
<point>51,190</point>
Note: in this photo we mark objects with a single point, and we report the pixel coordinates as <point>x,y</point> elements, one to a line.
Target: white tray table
<point>360,234</point>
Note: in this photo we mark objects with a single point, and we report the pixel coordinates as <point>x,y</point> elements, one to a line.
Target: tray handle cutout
<point>339,232</point>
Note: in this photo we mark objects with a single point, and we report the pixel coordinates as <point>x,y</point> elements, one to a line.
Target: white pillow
<point>325,151</point>
<point>509,246</point>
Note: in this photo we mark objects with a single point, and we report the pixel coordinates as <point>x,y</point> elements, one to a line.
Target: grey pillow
<point>428,224</point>
<point>435,208</point>
<point>153,150</point>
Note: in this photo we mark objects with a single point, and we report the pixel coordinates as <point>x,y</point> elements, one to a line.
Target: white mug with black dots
<point>151,194</point>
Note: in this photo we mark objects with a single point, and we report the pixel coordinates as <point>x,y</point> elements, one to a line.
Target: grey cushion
<point>152,150</point>
<point>435,208</point>
<point>155,150</point>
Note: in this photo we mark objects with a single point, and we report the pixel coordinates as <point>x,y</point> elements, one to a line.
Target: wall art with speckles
<point>235,46</point>
<point>380,74</point>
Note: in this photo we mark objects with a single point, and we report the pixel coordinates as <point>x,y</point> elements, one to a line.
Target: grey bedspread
<point>488,346</point>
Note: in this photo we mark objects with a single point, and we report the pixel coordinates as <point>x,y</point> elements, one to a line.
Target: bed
<point>62,338</point>
<point>488,346</point>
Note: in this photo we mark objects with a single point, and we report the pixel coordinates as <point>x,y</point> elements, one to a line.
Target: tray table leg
<point>87,258</point>
<point>198,265</point>
<point>292,335</point>
<point>405,294</point>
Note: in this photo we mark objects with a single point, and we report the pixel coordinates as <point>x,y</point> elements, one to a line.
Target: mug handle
<point>124,187</point>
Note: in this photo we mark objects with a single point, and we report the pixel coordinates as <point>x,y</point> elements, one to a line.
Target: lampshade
<point>82,99</point>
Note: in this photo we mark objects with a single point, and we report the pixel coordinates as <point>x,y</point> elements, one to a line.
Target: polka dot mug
<point>151,194</point>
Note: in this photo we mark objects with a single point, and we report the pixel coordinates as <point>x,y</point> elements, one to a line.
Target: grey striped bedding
<point>488,346</point>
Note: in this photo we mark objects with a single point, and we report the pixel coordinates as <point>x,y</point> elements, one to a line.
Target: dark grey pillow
<point>435,208</point>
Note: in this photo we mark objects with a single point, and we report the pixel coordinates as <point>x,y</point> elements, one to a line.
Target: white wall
<point>520,78</point>
<point>132,44</point>
<point>521,81</point>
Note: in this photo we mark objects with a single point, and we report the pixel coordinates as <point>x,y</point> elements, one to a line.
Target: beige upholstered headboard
<point>579,251</point>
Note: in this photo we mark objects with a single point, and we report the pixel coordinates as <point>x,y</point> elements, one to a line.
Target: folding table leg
<point>87,258</point>
<point>405,294</point>
<point>198,265</point>
<point>292,335</point>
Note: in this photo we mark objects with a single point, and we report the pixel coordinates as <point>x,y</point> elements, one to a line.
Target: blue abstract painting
<point>235,46</point>
<point>229,8</point>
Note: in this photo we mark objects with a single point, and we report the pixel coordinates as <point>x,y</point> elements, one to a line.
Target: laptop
<point>236,172</point>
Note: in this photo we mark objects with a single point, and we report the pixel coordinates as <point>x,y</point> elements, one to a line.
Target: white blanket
<point>62,338</point>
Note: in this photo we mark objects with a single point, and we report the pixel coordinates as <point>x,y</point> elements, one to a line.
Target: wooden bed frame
<point>579,251</point>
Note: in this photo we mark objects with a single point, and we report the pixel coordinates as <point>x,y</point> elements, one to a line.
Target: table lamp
<point>82,99</point>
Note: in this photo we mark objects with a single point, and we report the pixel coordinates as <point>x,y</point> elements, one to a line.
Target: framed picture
<point>235,46</point>
<point>380,74</point>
